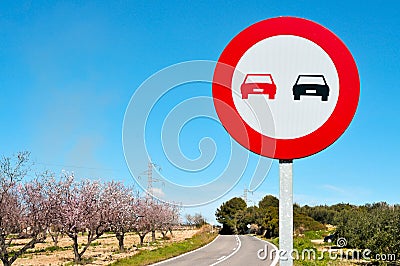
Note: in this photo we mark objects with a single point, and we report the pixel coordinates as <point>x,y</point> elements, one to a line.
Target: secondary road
<point>226,250</point>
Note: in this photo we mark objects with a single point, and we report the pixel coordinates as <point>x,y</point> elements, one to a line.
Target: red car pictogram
<point>258,84</point>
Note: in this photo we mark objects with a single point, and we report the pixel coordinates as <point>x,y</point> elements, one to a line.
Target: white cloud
<point>158,192</point>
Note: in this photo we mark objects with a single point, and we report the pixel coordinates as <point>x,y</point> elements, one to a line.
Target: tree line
<point>238,218</point>
<point>371,226</point>
<point>197,220</point>
<point>49,205</point>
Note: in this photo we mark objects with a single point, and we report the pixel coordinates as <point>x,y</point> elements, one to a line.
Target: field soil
<point>101,252</point>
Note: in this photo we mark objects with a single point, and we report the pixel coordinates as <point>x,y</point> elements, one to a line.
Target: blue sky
<point>68,70</point>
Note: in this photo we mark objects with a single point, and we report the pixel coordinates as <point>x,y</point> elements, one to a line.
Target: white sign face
<point>280,74</point>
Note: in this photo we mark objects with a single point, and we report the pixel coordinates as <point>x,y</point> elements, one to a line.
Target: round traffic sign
<point>286,88</point>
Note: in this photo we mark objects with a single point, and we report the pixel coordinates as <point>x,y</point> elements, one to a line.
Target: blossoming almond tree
<point>153,216</point>
<point>23,207</point>
<point>50,189</point>
<point>144,223</point>
<point>120,210</point>
<point>159,216</point>
<point>169,218</point>
<point>82,209</point>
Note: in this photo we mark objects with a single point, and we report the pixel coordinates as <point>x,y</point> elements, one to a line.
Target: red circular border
<point>330,131</point>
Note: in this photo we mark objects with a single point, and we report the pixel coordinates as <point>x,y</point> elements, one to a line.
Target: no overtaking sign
<point>291,87</point>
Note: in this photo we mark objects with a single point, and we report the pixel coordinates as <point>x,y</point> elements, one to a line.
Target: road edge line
<point>230,255</point>
<point>184,254</point>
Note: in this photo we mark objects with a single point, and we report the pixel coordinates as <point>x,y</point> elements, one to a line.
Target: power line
<point>77,166</point>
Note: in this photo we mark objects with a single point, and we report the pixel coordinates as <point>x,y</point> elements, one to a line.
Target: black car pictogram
<point>312,85</point>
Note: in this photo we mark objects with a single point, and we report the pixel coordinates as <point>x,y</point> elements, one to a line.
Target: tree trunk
<point>5,262</point>
<point>141,239</point>
<point>153,236</point>
<point>120,236</point>
<point>31,244</point>
<point>3,251</point>
<point>54,237</point>
<point>78,257</point>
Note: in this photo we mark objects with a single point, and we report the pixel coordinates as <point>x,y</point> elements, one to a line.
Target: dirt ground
<point>101,252</point>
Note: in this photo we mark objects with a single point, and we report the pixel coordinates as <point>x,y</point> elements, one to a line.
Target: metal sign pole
<point>285,212</point>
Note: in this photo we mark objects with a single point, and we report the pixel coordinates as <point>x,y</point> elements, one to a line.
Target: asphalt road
<point>226,250</point>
